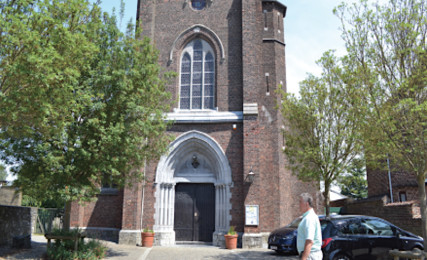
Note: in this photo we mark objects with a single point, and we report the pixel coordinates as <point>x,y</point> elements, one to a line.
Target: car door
<point>407,241</point>
<point>381,237</point>
<point>356,240</point>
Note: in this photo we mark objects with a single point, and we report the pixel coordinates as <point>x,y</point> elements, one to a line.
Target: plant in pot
<point>231,239</point>
<point>147,237</point>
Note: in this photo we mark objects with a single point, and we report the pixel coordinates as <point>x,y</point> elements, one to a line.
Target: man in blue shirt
<point>309,239</point>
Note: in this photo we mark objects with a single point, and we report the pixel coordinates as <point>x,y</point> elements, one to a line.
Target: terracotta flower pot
<point>147,239</point>
<point>231,241</point>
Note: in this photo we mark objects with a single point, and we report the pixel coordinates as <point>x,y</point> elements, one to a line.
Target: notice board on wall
<point>251,215</point>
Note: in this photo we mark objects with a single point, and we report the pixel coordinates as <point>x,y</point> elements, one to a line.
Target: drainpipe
<point>143,188</point>
<point>389,179</point>
<point>143,193</point>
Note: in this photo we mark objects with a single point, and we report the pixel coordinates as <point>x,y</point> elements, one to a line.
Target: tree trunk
<point>67,216</point>
<point>423,207</point>
<point>326,196</point>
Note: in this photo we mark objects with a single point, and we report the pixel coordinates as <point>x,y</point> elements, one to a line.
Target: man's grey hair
<point>306,197</point>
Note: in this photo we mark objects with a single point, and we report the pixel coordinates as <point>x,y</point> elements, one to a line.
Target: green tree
<point>353,183</point>
<point>118,99</point>
<point>3,173</point>
<point>322,133</point>
<point>387,43</point>
<point>46,46</point>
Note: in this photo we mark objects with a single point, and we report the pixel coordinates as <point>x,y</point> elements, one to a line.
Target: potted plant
<point>147,237</point>
<point>231,239</point>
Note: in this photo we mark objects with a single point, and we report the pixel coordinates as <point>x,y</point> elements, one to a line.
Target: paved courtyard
<point>125,252</point>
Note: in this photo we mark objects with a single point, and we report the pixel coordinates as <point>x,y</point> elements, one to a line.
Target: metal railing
<point>47,219</point>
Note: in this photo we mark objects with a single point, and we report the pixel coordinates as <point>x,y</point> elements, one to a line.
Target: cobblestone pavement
<point>125,252</point>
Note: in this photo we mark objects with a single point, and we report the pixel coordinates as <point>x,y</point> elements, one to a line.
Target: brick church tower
<point>226,166</point>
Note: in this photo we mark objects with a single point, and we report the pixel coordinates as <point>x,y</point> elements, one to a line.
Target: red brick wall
<point>164,21</point>
<point>105,211</point>
<point>379,183</point>
<point>405,215</point>
<point>257,142</point>
<point>131,212</point>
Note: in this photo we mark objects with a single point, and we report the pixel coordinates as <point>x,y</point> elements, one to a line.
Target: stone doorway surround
<point>194,157</point>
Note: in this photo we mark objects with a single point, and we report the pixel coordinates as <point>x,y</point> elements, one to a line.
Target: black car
<point>364,237</point>
<point>352,237</point>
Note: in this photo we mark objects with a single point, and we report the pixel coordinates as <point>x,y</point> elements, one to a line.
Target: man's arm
<point>307,248</point>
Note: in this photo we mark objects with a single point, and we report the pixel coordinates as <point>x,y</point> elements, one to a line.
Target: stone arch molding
<point>177,167</point>
<point>198,29</point>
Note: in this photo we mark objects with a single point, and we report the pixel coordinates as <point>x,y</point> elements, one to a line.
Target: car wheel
<point>341,257</point>
<point>279,252</point>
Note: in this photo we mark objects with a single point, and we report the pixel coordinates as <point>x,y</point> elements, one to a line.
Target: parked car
<point>284,239</point>
<point>351,237</point>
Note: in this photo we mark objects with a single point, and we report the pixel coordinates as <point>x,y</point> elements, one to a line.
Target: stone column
<point>222,213</point>
<point>164,216</point>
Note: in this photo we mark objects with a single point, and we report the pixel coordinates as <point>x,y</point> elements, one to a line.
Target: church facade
<point>226,165</point>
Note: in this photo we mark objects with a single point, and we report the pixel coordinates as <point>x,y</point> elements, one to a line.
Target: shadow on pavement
<point>115,253</point>
<point>36,252</point>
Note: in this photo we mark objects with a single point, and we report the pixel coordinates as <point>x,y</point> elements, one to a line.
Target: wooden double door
<point>194,212</point>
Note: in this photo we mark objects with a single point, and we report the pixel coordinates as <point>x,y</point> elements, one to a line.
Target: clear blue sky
<point>310,29</point>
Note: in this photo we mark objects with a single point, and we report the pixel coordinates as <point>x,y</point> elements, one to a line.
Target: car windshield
<point>295,223</point>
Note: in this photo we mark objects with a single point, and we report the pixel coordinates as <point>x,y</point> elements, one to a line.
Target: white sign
<point>252,215</point>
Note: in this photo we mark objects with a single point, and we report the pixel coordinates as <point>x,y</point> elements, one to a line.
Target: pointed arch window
<point>198,4</point>
<point>197,76</point>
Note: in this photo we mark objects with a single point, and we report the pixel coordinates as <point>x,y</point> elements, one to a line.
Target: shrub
<point>64,249</point>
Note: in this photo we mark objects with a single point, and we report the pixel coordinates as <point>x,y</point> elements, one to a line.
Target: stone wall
<point>10,196</point>
<point>405,215</point>
<point>15,221</point>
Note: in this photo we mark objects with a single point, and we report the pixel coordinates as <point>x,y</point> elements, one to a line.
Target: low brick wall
<point>405,215</point>
<point>10,196</point>
<point>15,221</point>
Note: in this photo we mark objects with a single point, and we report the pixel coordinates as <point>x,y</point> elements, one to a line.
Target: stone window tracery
<point>197,76</point>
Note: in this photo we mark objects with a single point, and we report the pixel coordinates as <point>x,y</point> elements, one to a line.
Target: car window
<point>323,225</point>
<point>295,223</point>
<point>403,233</point>
<point>328,229</point>
<point>351,226</point>
<point>378,227</point>
<point>355,229</point>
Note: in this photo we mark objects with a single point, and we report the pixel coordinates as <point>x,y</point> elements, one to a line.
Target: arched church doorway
<point>192,191</point>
